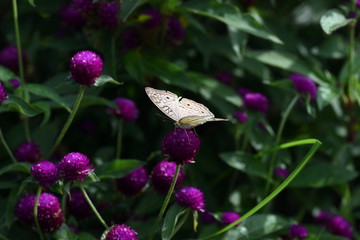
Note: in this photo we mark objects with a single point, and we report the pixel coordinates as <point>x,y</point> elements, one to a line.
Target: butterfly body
<point>185,112</point>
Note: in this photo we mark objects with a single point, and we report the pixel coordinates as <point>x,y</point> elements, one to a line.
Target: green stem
<point>18,42</point>
<point>281,187</point>
<point>278,137</point>
<point>93,207</point>
<point>69,120</point>
<point>166,202</point>
<point>36,213</point>
<point>119,138</point>
<point>2,140</point>
<point>63,203</point>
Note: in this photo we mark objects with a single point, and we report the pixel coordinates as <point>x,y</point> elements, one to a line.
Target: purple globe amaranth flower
<point>126,109</point>
<point>243,91</point>
<point>191,197</point>
<point>85,67</point>
<point>224,77</point>
<point>153,18</point>
<point>9,57</point>
<point>175,32</point>
<point>3,94</point>
<point>84,6</point>
<point>339,226</point>
<point>130,39</point>
<point>162,175</point>
<point>358,3</point>
<point>121,232</point>
<point>75,166</point>
<point>45,172</point>
<point>242,117</point>
<point>298,231</point>
<point>304,84</point>
<point>49,212</point>
<point>71,17</point>
<point>14,82</point>
<point>207,218</point>
<point>133,183</point>
<point>181,146</point>
<point>28,152</point>
<point>78,205</point>
<point>352,14</point>
<point>108,14</point>
<point>322,216</point>
<point>256,101</point>
<point>282,172</point>
<point>229,217</point>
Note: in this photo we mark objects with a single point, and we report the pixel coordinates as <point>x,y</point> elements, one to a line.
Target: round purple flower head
<point>85,67</point>
<point>242,117</point>
<point>358,3</point>
<point>224,77</point>
<point>304,84</point>
<point>322,216</point>
<point>130,39</point>
<point>75,166</point>
<point>121,232</point>
<point>3,93</point>
<point>9,57</point>
<point>49,212</point>
<point>28,152</point>
<point>191,197</point>
<point>243,91</point>
<point>175,32</point>
<point>71,17</point>
<point>133,183</point>
<point>14,82</point>
<point>84,6</point>
<point>339,226</point>
<point>181,146</point>
<point>78,205</point>
<point>256,101</point>
<point>108,14</point>
<point>154,18</point>
<point>45,172</point>
<point>207,218</point>
<point>282,172</point>
<point>126,109</point>
<point>162,175</point>
<point>298,231</point>
<point>229,217</point>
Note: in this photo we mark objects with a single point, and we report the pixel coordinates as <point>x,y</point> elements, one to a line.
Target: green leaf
<point>103,79</point>
<point>321,174</point>
<point>32,3</point>
<point>86,236</point>
<point>128,6</point>
<point>6,74</point>
<point>14,103</point>
<point>10,206</point>
<point>46,92</point>
<point>257,227</point>
<point>16,167</point>
<point>134,66</point>
<point>7,184</point>
<point>45,108</point>
<point>65,233</point>
<point>230,15</point>
<point>332,20</point>
<point>118,168</point>
<point>171,219</point>
<point>93,100</point>
<point>245,163</point>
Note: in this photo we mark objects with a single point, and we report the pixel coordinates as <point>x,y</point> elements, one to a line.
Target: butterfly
<point>185,112</point>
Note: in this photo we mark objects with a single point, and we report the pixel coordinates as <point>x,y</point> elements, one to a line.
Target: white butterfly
<point>185,112</point>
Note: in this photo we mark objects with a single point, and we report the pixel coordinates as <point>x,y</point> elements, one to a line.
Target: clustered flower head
<point>298,231</point>
<point>84,6</point>
<point>78,205</point>
<point>127,109</point>
<point>191,197</point>
<point>108,14</point>
<point>304,84</point>
<point>322,216</point>
<point>3,94</point>
<point>49,212</point>
<point>14,82</point>
<point>229,217</point>
<point>162,175</point>
<point>175,32</point>
<point>45,172</point>
<point>71,17</point>
<point>75,166</point>
<point>242,117</point>
<point>121,232</point>
<point>256,101</point>
<point>85,67</point>
<point>282,172</point>
<point>28,152</point>
<point>9,57</point>
<point>154,19</point>
<point>337,225</point>
<point>133,183</point>
<point>207,218</point>
<point>181,146</point>
<point>225,77</point>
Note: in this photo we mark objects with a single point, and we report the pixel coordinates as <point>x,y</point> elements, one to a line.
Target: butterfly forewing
<point>189,107</point>
<point>166,101</point>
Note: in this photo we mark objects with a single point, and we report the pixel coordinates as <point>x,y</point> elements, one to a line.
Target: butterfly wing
<point>189,107</point>
<point>166,101</point>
